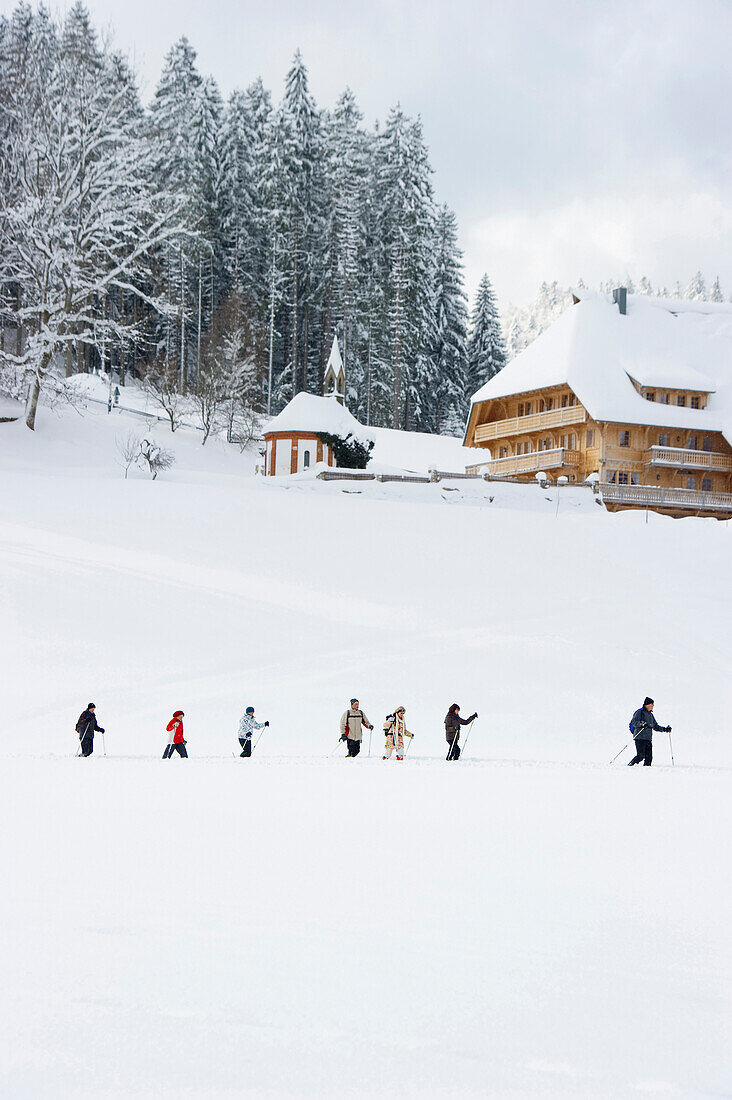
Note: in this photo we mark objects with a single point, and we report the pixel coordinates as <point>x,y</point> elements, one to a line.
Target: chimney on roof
<point>620,297</point>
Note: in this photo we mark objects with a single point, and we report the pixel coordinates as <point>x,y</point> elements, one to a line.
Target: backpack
<point>631,727</point>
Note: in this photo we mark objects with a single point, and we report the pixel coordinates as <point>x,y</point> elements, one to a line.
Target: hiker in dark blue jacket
<point>644,723</point>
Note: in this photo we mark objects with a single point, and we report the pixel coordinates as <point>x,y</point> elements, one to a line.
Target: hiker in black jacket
<point>453,722</point>
<point>86,727</point>
<point>644,723</point>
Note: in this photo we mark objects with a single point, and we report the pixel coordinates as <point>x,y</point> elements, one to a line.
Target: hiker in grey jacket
<point>352,722</point>
<point>247,726</point>
<point>644,724</point>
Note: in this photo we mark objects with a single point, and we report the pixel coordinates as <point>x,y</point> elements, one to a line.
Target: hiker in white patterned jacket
<point>246,729</point>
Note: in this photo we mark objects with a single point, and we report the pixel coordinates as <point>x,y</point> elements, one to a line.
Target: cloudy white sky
<point>572,137</point>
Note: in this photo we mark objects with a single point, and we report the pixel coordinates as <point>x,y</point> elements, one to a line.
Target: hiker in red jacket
<point>177,742</point>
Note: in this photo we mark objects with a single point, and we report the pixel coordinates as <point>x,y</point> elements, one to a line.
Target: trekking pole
<point>104,745</point>
<point>370,732</point>
<point>453,743</point>
<point>258,739</point>
<point>338,742</point>
<point>411,738</point>
<point>671,747</point>
<point>617,754</point>
<point>467,735</point>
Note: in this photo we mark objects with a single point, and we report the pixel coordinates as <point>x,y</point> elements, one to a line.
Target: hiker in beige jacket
<point>396,730</point>
<point>352,722</point>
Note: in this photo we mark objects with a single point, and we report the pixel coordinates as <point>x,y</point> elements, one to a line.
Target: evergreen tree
<point>405,213</point>
<point>716,294</point>
<point>449,352</point>
<point>486,349</point>
<point>697,288</point>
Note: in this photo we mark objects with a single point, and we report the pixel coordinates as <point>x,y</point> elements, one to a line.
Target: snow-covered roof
<point>334,359</point>
<point>661,343</point>
<point>308,413</point>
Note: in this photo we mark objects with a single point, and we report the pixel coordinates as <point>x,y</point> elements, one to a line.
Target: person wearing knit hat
<point>247,726</point>
<point>86,727</point>
<point>177,742</point>
<point>352,722</point>
<point>396,730</point>
<point>643,725</point>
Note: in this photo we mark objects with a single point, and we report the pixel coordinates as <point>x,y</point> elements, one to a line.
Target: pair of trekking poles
<point>670,745</point>
<point>104,746</point>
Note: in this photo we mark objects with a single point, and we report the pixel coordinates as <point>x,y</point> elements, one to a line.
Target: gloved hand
<point>474,716</point>
<point>266,723</point>
<point>371,727</point>
<point>668,729</point>
<point>101,730</point>
<point>344,737</point>
<point>410,735</point>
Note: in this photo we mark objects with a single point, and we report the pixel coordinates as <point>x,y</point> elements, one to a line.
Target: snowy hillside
<point>529,921</point>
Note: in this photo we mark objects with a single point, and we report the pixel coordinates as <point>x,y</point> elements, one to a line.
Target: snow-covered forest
<point>522,324</point>
<point>204,244</point>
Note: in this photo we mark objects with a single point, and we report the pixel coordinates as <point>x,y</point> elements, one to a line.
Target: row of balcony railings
<point>657,496</point>
<point>681,458</point>
<point>530,463</point>
<point>553,418</point>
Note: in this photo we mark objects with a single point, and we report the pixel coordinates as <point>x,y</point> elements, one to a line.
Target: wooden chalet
<point>636,391</point>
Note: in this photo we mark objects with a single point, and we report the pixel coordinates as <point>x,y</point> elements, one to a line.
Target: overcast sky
<point>571,137</point>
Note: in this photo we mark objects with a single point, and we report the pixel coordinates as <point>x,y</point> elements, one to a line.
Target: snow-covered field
<point>527,922</point>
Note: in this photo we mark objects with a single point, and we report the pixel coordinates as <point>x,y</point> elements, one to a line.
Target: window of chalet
<point>635,479</point>
<point>541,405</point>
<point>692,444</point>
<point>549,403</point>
<point>664,398</point>
<point>706,485</point>
<point>572,399</point>
<point>590,437</point>
<point>528,408</point>
<point>564,400</point>
<point>650,396</point>
<point>503,453</point>
<point>521,408</point>
<point>622,477</point>
<point>680,399</point>
<point>572,442</point>
<point>706,443</point>
<point>612,477</point>
<point>625,439</point>
<point>663,440</point>
<point>691,483</point>
<point>695,402</point>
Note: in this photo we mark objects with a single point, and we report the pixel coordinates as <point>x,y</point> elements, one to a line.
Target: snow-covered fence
<point>446,475</point>
<point>335,473</point>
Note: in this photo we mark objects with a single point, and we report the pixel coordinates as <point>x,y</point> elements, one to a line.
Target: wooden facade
<point>679,472</point>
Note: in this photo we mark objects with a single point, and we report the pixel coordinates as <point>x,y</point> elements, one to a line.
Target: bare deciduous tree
<point>160,382</point>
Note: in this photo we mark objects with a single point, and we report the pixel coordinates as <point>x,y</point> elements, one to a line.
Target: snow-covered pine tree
<point>696,291</point>
<point>345,238</point>
<point>405,228</point>
<point>486,348</point>
<point>449,350</point>
<point>716,294</point>
<point>300,154</point>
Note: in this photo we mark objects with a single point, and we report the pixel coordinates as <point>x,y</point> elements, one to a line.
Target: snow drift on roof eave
<point>309,413</point>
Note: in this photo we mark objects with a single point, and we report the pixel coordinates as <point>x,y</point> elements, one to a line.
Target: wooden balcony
<point>537,422</point>
<point>517,465</point>
<point>679,458</point>
<point>655,496</point>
